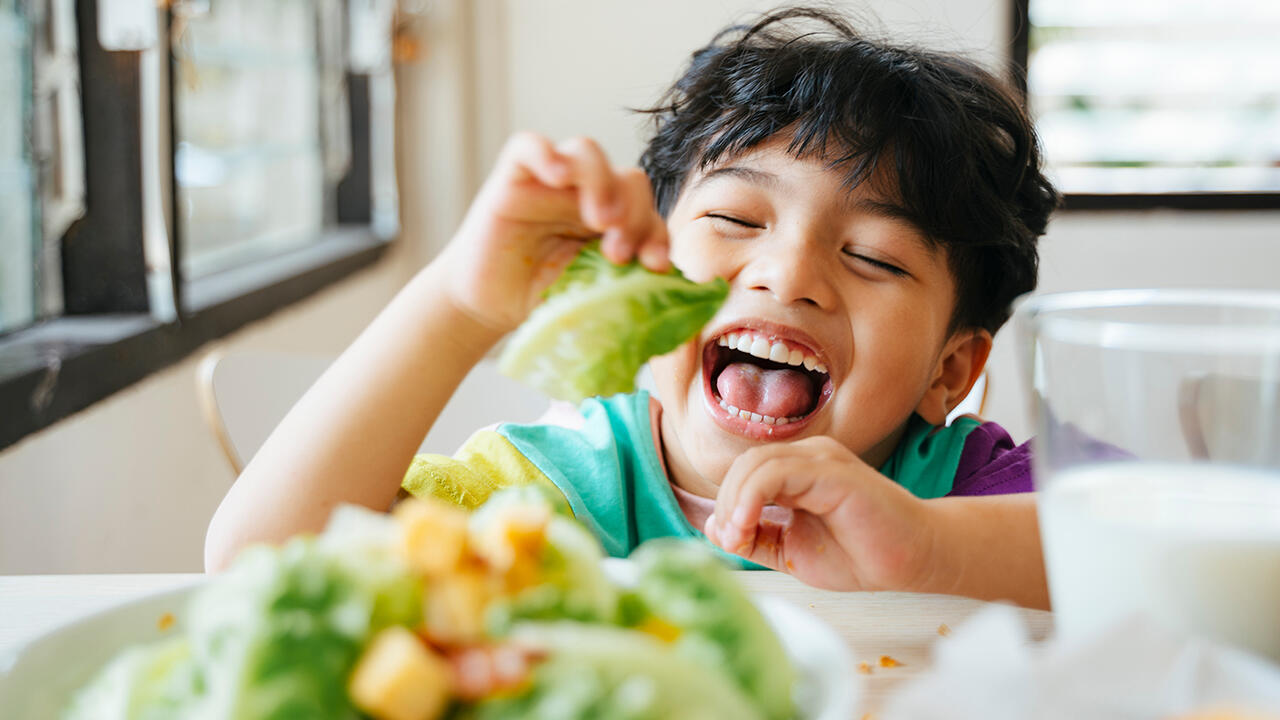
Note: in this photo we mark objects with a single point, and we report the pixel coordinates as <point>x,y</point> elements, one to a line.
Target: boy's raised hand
<point>851,528</point>
<point>539,205</point>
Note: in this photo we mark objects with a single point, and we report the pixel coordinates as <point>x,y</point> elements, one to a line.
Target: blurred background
<point>265,174</point>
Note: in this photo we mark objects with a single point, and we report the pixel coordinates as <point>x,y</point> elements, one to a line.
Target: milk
<point>1195,546</point>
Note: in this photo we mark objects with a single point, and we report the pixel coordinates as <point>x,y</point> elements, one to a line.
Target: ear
<point>961,363</point>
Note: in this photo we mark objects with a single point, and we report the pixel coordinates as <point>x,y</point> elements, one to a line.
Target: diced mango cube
<point>433,535</point>
<point>399,678</point>
<point>455,605</point>
<point>514,533</point>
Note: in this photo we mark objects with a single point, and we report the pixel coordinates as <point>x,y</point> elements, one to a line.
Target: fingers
<point>806,475</point>
<point>645,232</point>
<point>741,500</point>
<point>618,203</point>
<point>527,156</point>
<point>600,201</point>
<point>765,544</point>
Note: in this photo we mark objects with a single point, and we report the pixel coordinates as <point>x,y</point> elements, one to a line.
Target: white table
<point>901,625</point>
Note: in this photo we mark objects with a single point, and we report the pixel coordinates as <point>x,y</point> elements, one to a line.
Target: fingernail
<point>608,243</point>
<point>653,257</point>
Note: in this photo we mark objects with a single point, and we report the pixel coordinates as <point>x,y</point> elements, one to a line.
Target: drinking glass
<point>1157,458</point>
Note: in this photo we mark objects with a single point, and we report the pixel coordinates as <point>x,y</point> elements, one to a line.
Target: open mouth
<point>765,380</point>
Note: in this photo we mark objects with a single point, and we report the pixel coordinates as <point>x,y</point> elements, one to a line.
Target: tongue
<point>780,393</point>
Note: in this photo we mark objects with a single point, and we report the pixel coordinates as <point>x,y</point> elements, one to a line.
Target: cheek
<point>673,372</point>
<point>898,349</point>
<point>695,256</point>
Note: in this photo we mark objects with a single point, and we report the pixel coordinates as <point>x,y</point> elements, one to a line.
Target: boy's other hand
<point>539,205</point>
<point>851,527</point>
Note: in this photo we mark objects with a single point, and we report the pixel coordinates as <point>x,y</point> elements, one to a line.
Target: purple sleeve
<point>991,464</point>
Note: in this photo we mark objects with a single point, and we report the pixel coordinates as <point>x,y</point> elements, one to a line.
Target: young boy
<point>875,210</point>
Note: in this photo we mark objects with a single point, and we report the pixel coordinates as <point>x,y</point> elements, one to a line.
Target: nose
<point>792,269</point>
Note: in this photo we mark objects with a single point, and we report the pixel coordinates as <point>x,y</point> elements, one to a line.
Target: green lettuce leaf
<point>273,638</point>
<point>148,682</point>
<point>601,322</point>
<point>687,586</point>
<point>277,635</point>
<point>573,584</point>
<point>597,671</point>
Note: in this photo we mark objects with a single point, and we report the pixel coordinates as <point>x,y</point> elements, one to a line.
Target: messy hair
<point>955,140</point>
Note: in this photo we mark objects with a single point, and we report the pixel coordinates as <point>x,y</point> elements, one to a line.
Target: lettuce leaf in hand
<point>601,322</point>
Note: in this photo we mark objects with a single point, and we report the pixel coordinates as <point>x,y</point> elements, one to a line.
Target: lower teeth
<point>755,417</point>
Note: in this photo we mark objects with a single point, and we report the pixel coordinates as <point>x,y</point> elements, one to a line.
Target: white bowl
<point>37,682</point>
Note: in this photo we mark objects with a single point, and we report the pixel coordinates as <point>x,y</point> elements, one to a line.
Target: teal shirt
<point>610,472</point>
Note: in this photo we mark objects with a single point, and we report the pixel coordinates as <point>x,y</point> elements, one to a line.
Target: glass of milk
<point>1157,458</point>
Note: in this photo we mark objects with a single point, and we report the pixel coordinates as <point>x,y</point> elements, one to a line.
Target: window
<point>1149,101</point>
<point>248,163</point>
<point>41,169</point>
<point>170,171</point>
<point>17,182</point>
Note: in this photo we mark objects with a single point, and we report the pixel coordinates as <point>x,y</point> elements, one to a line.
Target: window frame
<point>110,334</point>
<point>1193,201</point>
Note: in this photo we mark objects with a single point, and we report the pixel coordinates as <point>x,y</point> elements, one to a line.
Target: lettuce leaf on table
<point>148,682</point>
<point>273,638</point>
<point>686,586</point>
<point>598,671</point>
<point>277,635</point>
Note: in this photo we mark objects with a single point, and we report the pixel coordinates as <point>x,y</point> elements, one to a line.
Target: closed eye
<point>879,264</point>
<point>734,220</point>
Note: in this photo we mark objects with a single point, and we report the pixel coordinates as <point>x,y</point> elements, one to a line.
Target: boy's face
<point>842,296</point>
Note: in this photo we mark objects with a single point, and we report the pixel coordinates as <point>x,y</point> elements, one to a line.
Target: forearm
<point>988,548</point>
<point>352,435</point>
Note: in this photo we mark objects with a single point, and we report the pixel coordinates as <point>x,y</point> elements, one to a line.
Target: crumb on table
<point>944,630</point>
<point>864,668</point>
<point>886,661</point>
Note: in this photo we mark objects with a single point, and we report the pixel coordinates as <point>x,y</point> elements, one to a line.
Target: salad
<point>433,612</point>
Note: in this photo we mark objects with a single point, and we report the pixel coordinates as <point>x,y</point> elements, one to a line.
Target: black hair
<point>955,138</point>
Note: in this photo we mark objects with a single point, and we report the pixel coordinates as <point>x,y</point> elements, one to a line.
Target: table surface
<point>902,626</point>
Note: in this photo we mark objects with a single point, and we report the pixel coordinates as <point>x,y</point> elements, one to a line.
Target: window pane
<point>17,187</point>
<point>1157,96</point>
<point>248,161</point>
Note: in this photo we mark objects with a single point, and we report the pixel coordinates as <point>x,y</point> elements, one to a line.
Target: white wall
<point>574,67</point>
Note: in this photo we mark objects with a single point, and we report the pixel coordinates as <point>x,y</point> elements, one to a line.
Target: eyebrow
<point>872,206</point>
<point>889,210</point>
<point>897,213</point>
<point>883,208</point>
<point>755,177</point>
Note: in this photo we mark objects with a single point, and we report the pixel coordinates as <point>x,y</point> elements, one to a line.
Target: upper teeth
<point>777,351</point>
